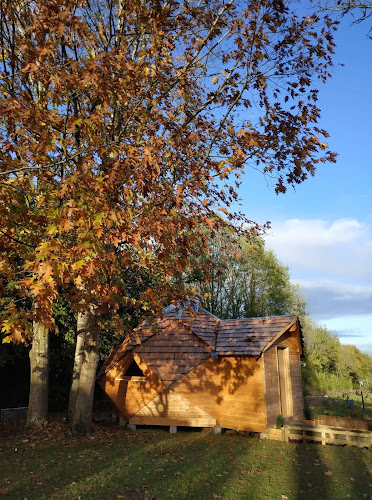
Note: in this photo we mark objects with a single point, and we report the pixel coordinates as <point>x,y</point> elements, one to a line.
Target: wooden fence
<point>6,413</point>
<point>298,432</point>
<point>349,423</point>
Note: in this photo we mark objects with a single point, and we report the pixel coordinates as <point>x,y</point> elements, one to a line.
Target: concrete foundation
<point>131,427</point>
<point>173,429</point>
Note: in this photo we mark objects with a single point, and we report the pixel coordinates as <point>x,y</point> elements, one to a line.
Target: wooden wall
<point>229,390</point>
<point>128,396</point>
<point>165,357</point>
<point>292,341</point>
<point>172,408</point>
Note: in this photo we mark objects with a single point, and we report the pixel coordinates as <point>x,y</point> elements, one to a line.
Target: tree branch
<point>17,240</point>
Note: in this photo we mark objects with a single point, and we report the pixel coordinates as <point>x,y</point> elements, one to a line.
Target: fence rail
<point>6,413</point>
<point>348,423</point>
<point>322,435</point>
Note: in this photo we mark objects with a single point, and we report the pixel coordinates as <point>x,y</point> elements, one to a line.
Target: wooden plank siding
<point>273,407</point>
<point>229,390</point>
<point>128,396</point>
<point>171,408</point>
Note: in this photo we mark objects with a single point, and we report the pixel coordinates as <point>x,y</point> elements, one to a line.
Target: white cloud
<point>332,299</point>
<point>342,248</point>
<point>353,329</point>
<point>367,348</point>
<point>319,233</point>
<point>332,263</point>
<point>342,289</point>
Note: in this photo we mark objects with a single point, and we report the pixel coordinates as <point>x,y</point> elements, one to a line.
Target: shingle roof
<point>249,336</point>
<point>200,321</point>
<point>143,332</point>
<point>172,352</point>
<point>234,337</point>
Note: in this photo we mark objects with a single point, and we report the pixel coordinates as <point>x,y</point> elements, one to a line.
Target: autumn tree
<point>23,224</point>
<point>128,124</point>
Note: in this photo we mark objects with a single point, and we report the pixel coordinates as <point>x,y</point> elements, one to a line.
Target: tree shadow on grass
<point>153,464</point>
<point>329,472</point>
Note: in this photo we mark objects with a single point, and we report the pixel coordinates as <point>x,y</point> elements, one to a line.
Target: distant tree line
<point>245,280</point>
<point>330,365</point>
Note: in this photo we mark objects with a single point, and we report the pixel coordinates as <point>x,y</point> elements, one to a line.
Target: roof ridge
<point>194,333</point>
<point>260,317</point>
<point>210,314</point>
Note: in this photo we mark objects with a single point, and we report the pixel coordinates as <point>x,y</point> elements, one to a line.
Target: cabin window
<point>134,370</point>
<point>133,373</point>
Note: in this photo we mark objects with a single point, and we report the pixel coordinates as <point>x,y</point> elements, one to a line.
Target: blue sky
<point>323,230</point>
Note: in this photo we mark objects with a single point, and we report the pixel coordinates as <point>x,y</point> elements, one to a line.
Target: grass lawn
<point>153,464</point>
<point>340,407</point>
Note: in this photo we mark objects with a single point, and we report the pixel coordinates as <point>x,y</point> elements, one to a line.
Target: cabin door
<point>285,388</point>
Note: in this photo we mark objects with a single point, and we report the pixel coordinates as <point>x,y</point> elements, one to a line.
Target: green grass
<point>152,464</point>
<point>339,407</point>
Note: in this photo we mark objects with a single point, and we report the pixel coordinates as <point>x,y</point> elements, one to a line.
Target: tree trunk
<point>39,368</point>
<point>86,361</point>
<point>78,360</point>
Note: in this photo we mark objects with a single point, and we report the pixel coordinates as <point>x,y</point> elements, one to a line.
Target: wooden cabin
<point>190,368</point>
